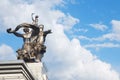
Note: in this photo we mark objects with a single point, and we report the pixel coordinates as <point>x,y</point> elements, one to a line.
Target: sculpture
<point>33,48</point>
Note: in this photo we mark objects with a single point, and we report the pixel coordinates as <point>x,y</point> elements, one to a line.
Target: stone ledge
<point>10,68</point>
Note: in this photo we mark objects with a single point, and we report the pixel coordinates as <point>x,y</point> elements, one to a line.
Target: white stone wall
<point>37,70</point>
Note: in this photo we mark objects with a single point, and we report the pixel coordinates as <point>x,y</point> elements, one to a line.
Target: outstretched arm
<point>14,32</point>
<point>18,34</point>
<point>47,32</point>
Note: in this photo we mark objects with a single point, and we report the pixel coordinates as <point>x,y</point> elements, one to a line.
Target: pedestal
<point>19,70</point>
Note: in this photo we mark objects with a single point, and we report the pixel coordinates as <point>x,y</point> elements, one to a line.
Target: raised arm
<point>18,27</point>
<point>32,17</point>
<point>26,25</point>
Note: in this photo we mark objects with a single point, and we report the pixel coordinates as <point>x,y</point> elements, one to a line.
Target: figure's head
<point>41,27</point>
<point>26,30</point>
<point>36,16</point>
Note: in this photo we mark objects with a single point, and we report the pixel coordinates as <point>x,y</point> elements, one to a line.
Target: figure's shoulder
<point>27,35</point>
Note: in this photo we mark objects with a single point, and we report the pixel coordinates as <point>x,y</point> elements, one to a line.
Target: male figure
<point>27,49</point>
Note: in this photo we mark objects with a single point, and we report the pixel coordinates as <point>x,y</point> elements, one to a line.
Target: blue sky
<point>89,29</point>
<point>97,12</point>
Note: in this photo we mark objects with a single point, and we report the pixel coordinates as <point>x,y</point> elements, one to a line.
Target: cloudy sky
<point>85,43</point>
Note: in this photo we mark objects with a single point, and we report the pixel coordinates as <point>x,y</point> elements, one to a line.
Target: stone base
<point>38,70</point>
<point>19,70</point>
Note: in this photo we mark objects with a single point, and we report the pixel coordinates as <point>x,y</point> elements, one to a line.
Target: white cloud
<point>12,13</point>
<point>83,37</point>
<point>66,59</point>
<point>103,45</point>
<point>109,36</point>
<point>99,26</point>
<point>16,12</point>
<point>68,21</point>
<point>80,30</point>
<point>116,26</point>
<point>71,61</point>
<point>6,53</point>
<point>114,35</point>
